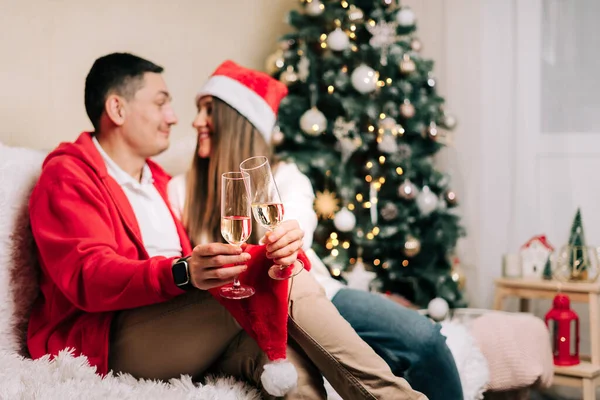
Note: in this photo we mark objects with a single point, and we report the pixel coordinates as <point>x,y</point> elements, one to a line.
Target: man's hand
<point>206,264</point>
<point>284,242</point>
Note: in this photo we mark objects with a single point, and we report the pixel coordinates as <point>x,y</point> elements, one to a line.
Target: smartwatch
<point>181,274</point>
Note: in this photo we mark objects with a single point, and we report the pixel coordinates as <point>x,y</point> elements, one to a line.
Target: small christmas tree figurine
<point>578,260</point>
<point>548,270</point>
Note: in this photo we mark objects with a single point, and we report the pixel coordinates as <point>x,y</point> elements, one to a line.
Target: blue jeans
<point>411,345</point>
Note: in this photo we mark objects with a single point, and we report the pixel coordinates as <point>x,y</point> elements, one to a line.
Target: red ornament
<point>565,322</point>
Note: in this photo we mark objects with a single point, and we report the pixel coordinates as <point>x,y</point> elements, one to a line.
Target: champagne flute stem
<point>236,282</point>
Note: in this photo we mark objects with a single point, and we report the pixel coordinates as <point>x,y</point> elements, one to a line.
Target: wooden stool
<point>585,375</point>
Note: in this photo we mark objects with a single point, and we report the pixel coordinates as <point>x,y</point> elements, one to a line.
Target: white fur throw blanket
<point>68,377</point>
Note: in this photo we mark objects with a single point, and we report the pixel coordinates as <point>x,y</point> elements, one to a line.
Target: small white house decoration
<point>535,257</point>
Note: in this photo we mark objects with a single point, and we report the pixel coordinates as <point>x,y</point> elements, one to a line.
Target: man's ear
<point>115,109</point>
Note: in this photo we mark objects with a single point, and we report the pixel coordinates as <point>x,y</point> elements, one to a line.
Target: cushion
<point>517,349</point>
<point>19,169</point>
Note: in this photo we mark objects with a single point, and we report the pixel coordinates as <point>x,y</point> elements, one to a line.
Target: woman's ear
<point>115,109</point>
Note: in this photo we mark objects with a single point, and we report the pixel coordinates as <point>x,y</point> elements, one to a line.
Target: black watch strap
<point>181,273</point>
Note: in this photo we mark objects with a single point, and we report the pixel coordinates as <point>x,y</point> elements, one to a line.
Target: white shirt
<point>298,198</point>
<point>159,233</point>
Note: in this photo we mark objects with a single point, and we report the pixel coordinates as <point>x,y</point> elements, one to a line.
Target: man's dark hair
<point>119,73</point>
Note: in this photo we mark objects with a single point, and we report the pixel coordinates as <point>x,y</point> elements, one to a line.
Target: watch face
<point>180,274</point>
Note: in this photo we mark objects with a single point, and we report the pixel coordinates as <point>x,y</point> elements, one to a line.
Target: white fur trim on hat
<point>246,101</point>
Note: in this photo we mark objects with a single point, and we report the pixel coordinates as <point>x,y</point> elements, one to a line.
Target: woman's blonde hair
<point>233,140</point>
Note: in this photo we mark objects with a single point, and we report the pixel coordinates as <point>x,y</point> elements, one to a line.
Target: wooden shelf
<point>553,285</point>
<point>585,375</point>
<point>583,370</point>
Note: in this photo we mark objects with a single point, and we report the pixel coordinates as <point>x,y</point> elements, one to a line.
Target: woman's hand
<point>206,264</point>
<point>284,242</point>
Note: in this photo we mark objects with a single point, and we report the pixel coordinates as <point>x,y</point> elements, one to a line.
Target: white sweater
<point>298,198</point>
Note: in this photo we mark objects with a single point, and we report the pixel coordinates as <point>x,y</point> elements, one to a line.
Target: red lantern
<point>564,332</point>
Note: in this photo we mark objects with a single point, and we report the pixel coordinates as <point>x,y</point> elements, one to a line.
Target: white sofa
<point>65,377</point>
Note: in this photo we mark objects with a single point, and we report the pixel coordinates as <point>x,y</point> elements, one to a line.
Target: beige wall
<point>47,48</point>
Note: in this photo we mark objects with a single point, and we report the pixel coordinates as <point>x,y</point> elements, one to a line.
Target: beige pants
<point>193,334</point>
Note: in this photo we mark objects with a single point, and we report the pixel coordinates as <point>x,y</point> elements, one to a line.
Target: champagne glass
<point>236,224</point>
<point>267,207</point>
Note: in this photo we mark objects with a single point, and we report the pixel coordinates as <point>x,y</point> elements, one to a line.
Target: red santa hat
<point>264,317</point>
<point>253,94</point>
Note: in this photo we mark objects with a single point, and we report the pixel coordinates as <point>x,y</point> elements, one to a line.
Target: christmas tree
<point>363,121</point>
<point>578,260</point>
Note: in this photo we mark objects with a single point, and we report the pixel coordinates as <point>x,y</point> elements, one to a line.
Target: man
<point>112,257</point>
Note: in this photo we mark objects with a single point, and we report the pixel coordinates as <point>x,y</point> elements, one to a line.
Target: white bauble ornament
<point>314,8</point>
<point>338,40</point>
<point>344,220</point>
<point>274,62</point>
<point>388,123</point>
<point>427,201</point>
<point>313,122</point>
<point>438,309</point>
<point>364,79</point>
<point>405,17</point>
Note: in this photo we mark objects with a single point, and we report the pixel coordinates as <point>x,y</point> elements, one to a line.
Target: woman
<point>233,125</point>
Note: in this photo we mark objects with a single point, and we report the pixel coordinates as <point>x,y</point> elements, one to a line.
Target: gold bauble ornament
<point>355,14</point>
<point>432,132</point>
<point>407,65</point>
<point>416,45</point>
<point>450,197</point>
<point>449,121</point>
<point>407,190</point>
<point>407,109</point>
<point>326,204</point>
<point>289,76</point>
<point>274,62</point>
<point>277,137</point>
<point>457,274</point>
<point>412,246</point>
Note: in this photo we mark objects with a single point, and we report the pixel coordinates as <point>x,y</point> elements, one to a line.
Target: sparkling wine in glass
<point>267,207</point>
<point>236,223</point>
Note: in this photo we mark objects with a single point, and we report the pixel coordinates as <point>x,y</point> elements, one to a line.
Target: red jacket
<point>91,253</point>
